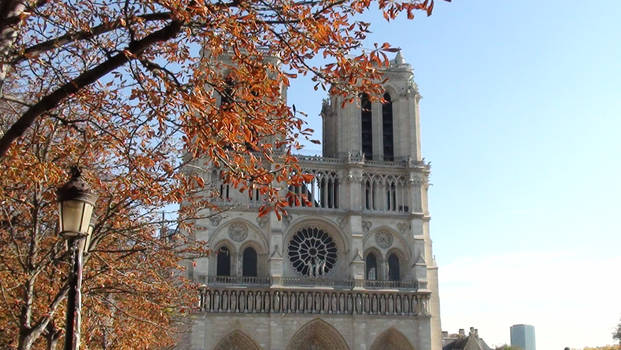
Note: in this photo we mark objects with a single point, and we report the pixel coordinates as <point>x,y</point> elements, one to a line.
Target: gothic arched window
<point>391,196</point>
<point>387,132</point>
<point>249,262</point>
<point>220,176</point>
<point>367,126</point>
<point>393,268</point>
<point>371,267</point>
<point>367,195</point>
<point>224,262</point>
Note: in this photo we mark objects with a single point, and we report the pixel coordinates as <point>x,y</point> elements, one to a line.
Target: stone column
<point>348,129</point>
<point>352,194</point>
<point>420,267</point>
<point>400,126</point>
<point>414,191</point>
<point>434,309</point>
<point>276,252</point>
<point>378,140</point>
<point>357,251</point>
<point>414,139</point>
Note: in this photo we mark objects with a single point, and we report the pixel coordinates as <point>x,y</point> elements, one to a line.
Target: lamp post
<point>75,203</point>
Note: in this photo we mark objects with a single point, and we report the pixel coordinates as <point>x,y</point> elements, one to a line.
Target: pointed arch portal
<point>237,340</point>
<point>317,335</point>
<point>391,339</point>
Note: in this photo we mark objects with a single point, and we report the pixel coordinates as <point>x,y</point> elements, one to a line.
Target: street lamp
<point>75,203</point>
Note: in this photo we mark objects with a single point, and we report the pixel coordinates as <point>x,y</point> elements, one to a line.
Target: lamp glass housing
<point>75,217</point>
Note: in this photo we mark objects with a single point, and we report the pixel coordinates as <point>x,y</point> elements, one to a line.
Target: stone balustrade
<point>390,284</point>
<point>238,280</point>
<point>251,281</point>
<point>381,186</point>
<point>349,158</point>
<point>307,301</point>
<point>316,282</point>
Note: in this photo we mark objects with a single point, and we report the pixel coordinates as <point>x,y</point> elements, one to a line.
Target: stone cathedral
<point>352,270</point>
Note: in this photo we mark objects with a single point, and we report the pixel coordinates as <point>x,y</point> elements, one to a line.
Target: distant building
<point>523,336</point>
<point>460,341</point>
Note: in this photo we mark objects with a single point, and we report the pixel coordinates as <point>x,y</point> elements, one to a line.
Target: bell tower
<point>385,131</point>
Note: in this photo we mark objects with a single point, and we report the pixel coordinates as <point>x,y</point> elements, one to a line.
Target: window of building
<point>393,268</point>
<point>387,128</point>
<point>224,191</point>
<point>249,263</point>
<point>312,252</point>
<point>224,262</point>
<point>367,195</point>
<point>371,267</point>
<point>367,126</point>
<point>391,196</point>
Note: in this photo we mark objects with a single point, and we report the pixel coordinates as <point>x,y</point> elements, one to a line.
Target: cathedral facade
<point>351,268</point>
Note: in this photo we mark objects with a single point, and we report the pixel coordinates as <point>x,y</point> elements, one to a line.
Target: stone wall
<point>276,332</point>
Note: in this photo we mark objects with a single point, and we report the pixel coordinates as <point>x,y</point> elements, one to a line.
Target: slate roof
<point>471,342</point>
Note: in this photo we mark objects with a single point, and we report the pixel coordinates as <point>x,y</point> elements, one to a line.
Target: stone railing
<point>238,280</point>
<point>305,282</point>
<point>385,187</point>
<point>390,284</point>
<point>357,158</point>
<point>316,282</point>
<point>318,159</point>
<point>299,301</point>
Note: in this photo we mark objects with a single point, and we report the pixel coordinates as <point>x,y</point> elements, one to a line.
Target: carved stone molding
<point>383,239</point>
<point>354,157</point>
<point>403,226</point>
<point>238,341</point>
<point>286,219</point>
<point>215,220</point>
<point>308,301</point>
<point>391,339</point>
<point>416,180</point>
<point>418,227</point>
<point>420,259</point>
<point>353,177</point>
<point>357,257</point>
<point>276,252</point>
<point>342,222</point>
<point>366,226</point>
<point>262,221</point>
<point>317,335</point>
<point>238,231</point>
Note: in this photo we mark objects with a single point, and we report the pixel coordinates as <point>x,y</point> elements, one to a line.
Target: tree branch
<point>85,34</point>
<point>53,99</point>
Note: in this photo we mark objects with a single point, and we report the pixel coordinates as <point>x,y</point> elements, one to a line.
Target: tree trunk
<point>52,336</point>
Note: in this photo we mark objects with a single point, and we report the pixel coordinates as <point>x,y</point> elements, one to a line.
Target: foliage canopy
<point>132,91</point>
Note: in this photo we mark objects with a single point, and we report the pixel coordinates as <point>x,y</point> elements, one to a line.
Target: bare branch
<point>53,99</point>
<point>86,34</point>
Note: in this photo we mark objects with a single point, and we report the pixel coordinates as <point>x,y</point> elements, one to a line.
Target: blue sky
<point>521,119</point>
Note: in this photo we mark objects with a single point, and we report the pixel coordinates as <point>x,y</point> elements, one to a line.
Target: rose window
<point>312,252</point>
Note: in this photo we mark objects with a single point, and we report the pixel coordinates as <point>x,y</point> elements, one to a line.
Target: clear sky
<point>521,119</point>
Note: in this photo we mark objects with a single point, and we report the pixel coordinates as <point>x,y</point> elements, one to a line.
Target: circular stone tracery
<point>312,252</point>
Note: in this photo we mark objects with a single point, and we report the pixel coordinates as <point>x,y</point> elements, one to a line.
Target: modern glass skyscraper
<point>523,336</point>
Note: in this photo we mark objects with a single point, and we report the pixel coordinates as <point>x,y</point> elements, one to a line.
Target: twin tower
<point>351,269</point>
